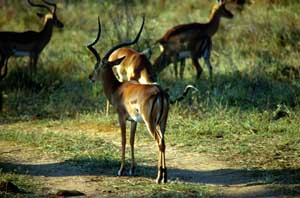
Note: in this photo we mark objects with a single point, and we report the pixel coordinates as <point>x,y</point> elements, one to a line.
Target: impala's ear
<point>40,15</point>
<point>116,62</point>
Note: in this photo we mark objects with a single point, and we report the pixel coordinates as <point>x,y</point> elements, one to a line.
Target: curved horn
<point>126,43</point>
<point>39,5</point>
<point>51,4</point>
<point>90,46</point>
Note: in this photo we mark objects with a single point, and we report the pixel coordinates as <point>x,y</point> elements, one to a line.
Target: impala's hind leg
<point>161,147</point>
<point>197,66</point>
<point>162,166</point>
<point>208,64</point>
<point>161,128</point>
<point>132,137</point>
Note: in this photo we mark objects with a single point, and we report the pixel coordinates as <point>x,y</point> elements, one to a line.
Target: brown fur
<point>132,100</point>
<point>192,38</point>
<point>135,102</point>
<point>135,66</point>
<point>30,42</point>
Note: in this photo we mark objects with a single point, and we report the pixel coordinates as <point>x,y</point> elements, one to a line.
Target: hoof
<point>165,176</point>
<point>158,181</point>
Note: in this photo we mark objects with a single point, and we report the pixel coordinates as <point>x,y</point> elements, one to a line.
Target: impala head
<point>51,15</point>
<point>103,63</point>
<point>220,8</point>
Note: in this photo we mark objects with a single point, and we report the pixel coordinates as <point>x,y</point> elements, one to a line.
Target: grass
<point>249,119</point>
<point>66,142</point>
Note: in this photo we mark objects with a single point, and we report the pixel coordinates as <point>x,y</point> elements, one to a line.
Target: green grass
<point>23,182</point>
<point>256,77</point>
<point>91,153</point>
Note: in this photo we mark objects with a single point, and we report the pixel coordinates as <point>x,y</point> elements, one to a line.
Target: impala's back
<point>135,66</point>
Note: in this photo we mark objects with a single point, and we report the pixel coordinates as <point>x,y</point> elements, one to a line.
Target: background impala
<point>191,40</point>
<point>29,43</point>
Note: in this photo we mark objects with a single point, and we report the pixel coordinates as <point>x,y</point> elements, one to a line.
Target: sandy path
<point>182,166</point>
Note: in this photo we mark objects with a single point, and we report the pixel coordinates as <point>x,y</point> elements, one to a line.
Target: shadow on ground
<point>104,168</point>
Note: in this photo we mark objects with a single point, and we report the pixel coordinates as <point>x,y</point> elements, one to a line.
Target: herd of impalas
<point>127,76</point>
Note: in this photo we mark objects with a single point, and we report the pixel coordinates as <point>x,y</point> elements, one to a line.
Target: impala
<point>135,102</point>
<point>135,66</point>
<point>29,43</point>
<point>191,40</point>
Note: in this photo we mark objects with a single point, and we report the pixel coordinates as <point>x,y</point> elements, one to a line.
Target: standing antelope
<point>29,43</point>
<point>135,66</point>
<point>191,40</point>
<point>135,102</point>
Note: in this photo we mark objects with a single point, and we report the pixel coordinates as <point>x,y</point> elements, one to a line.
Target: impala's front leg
<point>197,66</point>
<point>182,65</point>
<point>32,63</point>
<point>132,137</point>
<point>122,122</point>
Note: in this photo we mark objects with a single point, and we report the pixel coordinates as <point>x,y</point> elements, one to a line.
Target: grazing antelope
<point>29,43</point>
<point>191,40</point>
<point>135,102</point>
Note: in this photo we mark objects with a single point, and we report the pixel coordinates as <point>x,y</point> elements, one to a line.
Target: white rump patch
<point>137,118</point>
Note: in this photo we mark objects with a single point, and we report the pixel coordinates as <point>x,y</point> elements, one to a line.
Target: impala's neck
<point>109,82</point>
<point>214,21</point>
<point>161,62</point>
<point>46,32</point>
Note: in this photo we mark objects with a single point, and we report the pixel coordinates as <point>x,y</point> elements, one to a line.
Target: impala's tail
<point>185,92</point>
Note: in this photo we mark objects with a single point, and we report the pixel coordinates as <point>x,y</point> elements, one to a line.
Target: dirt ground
<point>183,166</point>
